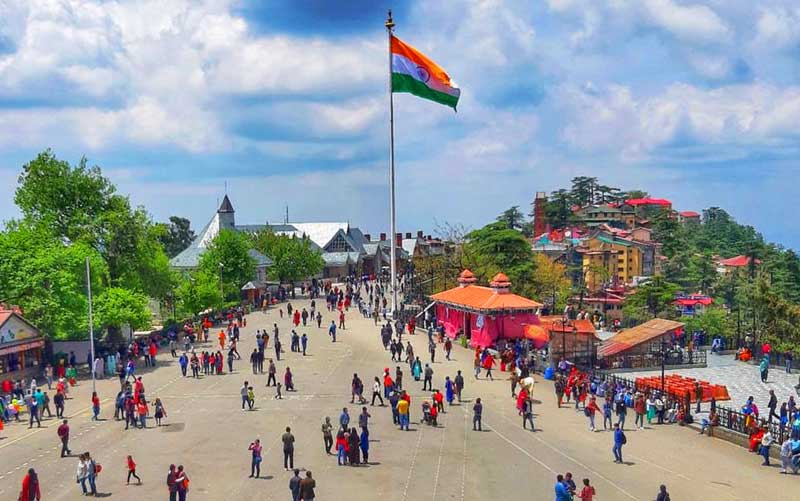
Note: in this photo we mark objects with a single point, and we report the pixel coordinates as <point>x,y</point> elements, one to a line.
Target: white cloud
<point>615,120</point>
<point>695,22</point>
<point>777,28</point>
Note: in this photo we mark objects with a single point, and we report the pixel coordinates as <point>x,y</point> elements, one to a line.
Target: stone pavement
<point>742,379</point>
<point>209,433</point>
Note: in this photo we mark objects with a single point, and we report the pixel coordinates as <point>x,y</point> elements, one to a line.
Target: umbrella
<point>537,334</point>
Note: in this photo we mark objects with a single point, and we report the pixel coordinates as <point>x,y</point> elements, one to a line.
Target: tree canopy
<point>292,258</point>
<point>176,235</point>
<point>228,258</point>
<point>495,248</point>
<point>70,213</point>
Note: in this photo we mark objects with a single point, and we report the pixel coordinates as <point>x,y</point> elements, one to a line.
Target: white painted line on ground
<point>413,463</point>
<point>439,463</point>
<point>593,472</point>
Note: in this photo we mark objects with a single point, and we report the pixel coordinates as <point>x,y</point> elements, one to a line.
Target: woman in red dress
<point>296,319</point>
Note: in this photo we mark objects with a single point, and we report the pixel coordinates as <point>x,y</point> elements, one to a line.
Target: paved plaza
<point>743,380</point>
<point>207,431</point>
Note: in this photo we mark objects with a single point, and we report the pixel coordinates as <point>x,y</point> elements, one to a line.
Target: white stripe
<point>401,64</point>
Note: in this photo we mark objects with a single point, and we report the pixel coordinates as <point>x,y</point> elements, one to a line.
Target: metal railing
<point>738,421</point>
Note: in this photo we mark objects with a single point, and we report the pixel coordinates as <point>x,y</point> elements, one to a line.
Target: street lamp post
<point>663,357</point>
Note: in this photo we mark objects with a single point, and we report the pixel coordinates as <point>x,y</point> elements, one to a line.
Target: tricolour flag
<point>413,72</point>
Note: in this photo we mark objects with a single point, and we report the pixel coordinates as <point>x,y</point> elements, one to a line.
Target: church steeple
<point>226,205</point>
<point>226,215</point>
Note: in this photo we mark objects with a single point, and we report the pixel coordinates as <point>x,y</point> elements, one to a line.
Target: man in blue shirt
<point>332,331</point>
<point>619,441</point>
<point>562,494</point>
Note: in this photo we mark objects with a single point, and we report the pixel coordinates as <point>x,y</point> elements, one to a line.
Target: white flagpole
<point>389,28</point>
<point>91,323</point>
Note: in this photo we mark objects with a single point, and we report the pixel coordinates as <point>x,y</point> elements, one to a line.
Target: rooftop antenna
<point>287,214</point>
<point>226,186</point>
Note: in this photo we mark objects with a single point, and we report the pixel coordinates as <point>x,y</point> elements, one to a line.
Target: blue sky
<point>697,101</point>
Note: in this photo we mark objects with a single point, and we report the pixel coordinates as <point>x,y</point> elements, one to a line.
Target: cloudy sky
<point>693,100</point>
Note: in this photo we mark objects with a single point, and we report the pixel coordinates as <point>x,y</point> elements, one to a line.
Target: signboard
<point>15,330</point>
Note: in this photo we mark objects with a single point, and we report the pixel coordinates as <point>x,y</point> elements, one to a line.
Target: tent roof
<point>481,298</point>
<point>635,336</point>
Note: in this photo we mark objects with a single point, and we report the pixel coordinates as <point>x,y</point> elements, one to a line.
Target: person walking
<point>327,435</point>
<point>255,458</point>
<point>288,449</point>
<point>294,485</point>
<point>307,486</point>
<point>271,371</point>
<point>662,495</point>
<point>527,413</point>
<point>477,414</point>
<point>182,482</point>
<point>172,486</point>
<point>160,412</point>
<point>58,401</point>
<point>459,381</point>
<point>332,331</point>
<point>82,473</point>
<point>304,343</point>
<point>619,441</point>
<point>95,406</point>
<point>63,434</point>
<point>91,473</point>
<point>33,410</point>
<point>243,393</point>
<point>132,471</point>
<point>376,391</point>
<point>427,383</point>
<point>402,413</point>
<point>30,487</point>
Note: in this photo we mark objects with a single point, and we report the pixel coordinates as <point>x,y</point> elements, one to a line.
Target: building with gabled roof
<point>484,314</point>
<point>341,245</point>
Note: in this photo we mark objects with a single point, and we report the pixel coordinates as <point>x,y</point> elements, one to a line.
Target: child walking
<point>132,471</point>
<point>278,392</point>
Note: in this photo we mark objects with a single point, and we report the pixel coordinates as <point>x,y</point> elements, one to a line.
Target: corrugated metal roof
<point>635,336</point>
<point>320,233</point>
<point>190,256</point>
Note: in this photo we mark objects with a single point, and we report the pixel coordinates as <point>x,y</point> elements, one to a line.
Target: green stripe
<point>406,83</point>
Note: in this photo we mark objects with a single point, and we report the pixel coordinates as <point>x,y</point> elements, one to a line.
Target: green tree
<point>46,277</point>
<point>292,258</point>
<point>116,307</point>
<point>228,257</point>
<point>549,282</point>
<point>652,299</point>
<point>668,231</point>
<point>714,321</point>
<point>512,218</point>
<point>495,248</point>
<point>197,291</point>
<point>559,208</point>
<point>78,204</point>
<point>176,235</point>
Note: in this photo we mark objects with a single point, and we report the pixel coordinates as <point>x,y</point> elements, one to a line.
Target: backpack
<point>624,439</point>
<point>587,412</point>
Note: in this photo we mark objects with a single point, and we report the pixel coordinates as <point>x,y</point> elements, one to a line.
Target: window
<point>339,244</point>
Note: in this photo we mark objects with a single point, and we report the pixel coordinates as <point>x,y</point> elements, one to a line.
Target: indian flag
<point>413,72</point>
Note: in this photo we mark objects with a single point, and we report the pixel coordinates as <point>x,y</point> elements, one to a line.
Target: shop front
<point>21,345</point>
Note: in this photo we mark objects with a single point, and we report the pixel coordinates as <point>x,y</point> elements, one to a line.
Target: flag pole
<point>389,27</point>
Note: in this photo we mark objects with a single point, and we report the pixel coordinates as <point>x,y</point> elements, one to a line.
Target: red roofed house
<point>737,262</point>
<point>689,216</point>
<point>21,344</point>
<point>484,314</point>
<point>641,202</point>
<point>693,305</point>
